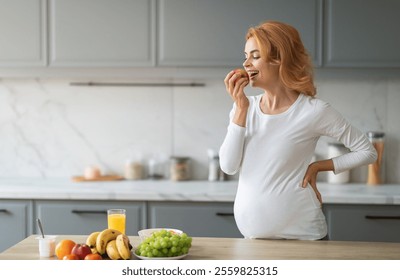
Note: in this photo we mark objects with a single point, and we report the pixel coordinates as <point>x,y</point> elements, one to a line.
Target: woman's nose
<point>246,63</point>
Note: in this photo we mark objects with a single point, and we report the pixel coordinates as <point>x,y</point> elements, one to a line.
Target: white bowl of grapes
<point>163,243</point>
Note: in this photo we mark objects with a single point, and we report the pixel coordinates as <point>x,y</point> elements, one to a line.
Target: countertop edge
<point>189,191</point>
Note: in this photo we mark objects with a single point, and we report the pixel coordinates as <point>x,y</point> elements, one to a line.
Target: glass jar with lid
<point>180,168</point>
<point>375,170</point>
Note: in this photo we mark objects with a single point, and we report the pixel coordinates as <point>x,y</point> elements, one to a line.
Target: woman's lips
<point>252,73</point>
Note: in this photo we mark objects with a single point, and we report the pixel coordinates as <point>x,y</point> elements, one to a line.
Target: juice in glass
<point>116,219</point>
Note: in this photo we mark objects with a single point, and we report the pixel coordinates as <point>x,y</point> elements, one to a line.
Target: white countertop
<point>148,190</point>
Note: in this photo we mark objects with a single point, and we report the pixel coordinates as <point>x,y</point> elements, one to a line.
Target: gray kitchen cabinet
<point>23,33</point>
<point>346,222</point>
<point>87,33</point>
<point>206,219</point>
<point>84,217</point>
<point>362,33</point>
<point>212,32</point>
<point>15,222</point>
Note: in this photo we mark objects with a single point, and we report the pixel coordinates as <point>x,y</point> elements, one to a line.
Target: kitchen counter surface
<point>148,190</point>
<point>204,248</point>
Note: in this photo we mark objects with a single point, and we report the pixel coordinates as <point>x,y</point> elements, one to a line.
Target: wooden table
<point>244,249</point>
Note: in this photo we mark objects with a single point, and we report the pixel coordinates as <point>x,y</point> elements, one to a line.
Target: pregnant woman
<point>271,138</point>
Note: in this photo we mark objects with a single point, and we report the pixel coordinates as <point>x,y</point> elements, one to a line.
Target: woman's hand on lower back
<point>311,174</point>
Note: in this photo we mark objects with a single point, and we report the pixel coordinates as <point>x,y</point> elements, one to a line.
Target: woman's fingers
<point>312,181</point>
<point>317,193</point>
<point>229,82</point>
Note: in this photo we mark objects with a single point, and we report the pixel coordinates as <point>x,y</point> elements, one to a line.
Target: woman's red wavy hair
<point>281,44</point>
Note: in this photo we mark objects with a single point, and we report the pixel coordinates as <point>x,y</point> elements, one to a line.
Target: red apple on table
<point>81,250</point>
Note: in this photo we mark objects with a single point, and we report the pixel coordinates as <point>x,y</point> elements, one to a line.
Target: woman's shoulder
<point>321,109</point>
<point>318,105</point>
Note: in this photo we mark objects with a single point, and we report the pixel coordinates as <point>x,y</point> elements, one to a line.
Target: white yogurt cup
<point>47,245</point>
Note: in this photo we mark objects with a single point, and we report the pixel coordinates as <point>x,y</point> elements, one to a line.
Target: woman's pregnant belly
<point>292,212</point>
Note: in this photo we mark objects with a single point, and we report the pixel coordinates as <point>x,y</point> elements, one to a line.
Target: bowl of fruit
<point>163,243</point>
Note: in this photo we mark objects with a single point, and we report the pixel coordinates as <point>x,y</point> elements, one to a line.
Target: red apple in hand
<point>81,250</point>
<point>242,72</point>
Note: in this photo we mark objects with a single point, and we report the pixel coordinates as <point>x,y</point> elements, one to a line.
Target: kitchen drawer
<point>363,222</point>
<point>200,219</point>
<point>15,222</point>
<point>84,217</point>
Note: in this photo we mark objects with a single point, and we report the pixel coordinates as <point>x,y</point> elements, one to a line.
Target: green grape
<point>157,244</point>
<point>155,252</point>
<point>143,254</point>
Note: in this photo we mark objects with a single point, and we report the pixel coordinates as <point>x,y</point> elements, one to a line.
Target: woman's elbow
<point>228,168</point>
<point>373,156</point>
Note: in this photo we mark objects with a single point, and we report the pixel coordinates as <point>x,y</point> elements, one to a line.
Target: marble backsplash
<point>49,128</point>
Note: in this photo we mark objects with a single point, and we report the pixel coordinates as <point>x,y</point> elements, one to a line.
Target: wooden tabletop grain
<point>204,248</point>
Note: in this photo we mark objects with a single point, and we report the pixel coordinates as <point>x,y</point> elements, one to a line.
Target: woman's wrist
<point>323,165</point>
<point>240,117</point>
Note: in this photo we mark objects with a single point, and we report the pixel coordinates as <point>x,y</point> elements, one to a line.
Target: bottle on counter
<point>213,169</point>
<point>375,170</point>
<point>336,149</point>
<point>213,165</point>
<point>180,168</point>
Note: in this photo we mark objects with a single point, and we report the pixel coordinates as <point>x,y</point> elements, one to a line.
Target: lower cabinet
<point>15,222</point>
<point>346,222</point>
<point>201,219</point>
<point>84,217</point>
<point>379,223</point>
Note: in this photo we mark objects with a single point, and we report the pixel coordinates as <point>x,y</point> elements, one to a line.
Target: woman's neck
<point>277,101</point>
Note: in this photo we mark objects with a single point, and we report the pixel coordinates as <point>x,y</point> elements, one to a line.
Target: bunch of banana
<point>110,243</point>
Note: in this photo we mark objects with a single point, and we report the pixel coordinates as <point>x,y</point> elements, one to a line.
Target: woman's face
<point>262,74</point>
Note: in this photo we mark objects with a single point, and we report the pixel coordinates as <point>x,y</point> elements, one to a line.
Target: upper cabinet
<point>56,34</point>
<point>23,33</point>
<point>101,33</point>
<point>362,33</point>
<point>212,32</point>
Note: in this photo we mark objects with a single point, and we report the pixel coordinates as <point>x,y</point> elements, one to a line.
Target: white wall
<point>51,129</point>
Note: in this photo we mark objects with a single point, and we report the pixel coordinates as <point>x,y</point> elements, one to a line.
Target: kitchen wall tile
<point>51,129</point>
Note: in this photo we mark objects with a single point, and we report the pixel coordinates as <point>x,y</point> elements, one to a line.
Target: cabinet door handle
<point>223,214</point>
<point>89,211</point>
<point>3,211</point>
<point>372,217</point>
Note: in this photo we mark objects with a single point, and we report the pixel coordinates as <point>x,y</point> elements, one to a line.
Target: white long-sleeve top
<point>272,154</point>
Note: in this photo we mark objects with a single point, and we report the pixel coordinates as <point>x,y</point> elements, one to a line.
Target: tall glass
<point>116,219</point>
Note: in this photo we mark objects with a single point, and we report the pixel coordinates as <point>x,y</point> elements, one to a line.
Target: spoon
<point>40,227</point>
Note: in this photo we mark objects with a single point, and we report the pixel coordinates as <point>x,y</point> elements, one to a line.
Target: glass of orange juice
<point>116,219</point>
